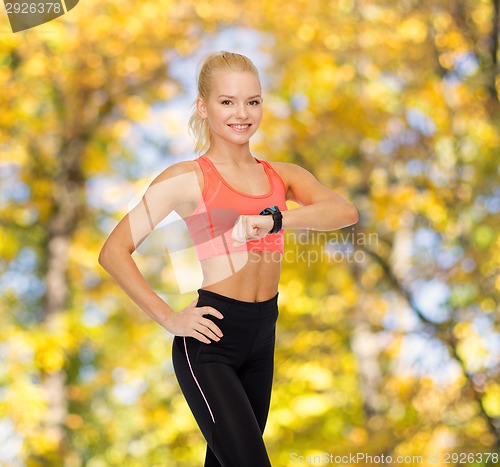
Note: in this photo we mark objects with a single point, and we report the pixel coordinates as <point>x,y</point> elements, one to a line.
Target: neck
<point>224,152</point>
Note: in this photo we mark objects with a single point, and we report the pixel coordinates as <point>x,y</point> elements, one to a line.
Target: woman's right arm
<point>171,187</point>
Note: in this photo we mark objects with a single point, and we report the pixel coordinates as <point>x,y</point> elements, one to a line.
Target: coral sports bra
<point>211,223</point>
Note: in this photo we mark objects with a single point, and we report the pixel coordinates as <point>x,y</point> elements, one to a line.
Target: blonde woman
<point>234,206</point>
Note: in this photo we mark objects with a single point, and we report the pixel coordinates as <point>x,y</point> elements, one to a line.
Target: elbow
<point>355,216</point>
<point>110,255</point>
<point>351,216</point>
<point>105,256</point>
<point>102,258</point>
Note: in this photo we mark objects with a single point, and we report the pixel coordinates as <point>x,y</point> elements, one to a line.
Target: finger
<point>198,335</point>
<point>210,324</point>
<point>208,328</point>
<point>255,231</point>
<point>251,229</point>
<point>211,330</point>
<point>240,237</point>
<point>244,230</point>
<point>215,312</point>
<point>235,231</point>
<point>210,310</point>
<point>236,235</point>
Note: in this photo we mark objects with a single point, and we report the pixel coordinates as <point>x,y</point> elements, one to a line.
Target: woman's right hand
<point>190,322</point>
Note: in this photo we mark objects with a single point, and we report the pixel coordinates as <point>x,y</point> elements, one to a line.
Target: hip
<point>249,331</point>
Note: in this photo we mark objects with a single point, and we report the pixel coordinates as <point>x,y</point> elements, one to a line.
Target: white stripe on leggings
<point>194,377</point>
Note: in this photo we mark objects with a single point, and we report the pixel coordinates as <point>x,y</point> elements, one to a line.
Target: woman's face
<point>234,107</point>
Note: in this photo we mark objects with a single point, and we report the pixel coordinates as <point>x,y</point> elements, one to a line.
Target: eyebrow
<point>233,97</point>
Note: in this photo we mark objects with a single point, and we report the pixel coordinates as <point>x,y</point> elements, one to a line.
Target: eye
<point>254,103</point>
<point>224,102</point>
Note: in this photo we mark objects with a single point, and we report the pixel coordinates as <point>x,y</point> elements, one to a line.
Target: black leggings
<point>227,384</point>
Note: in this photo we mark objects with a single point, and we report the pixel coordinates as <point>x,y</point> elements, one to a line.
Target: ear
<point>201,108</point>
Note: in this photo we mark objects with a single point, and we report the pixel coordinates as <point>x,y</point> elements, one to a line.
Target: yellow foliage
<point>25,403</point>
<point>358,436</point>
<point>362,66</point>
<point>309,405</point>
<point>317,377</point>
<point>413,29</point>
<point>472,351</point>
<point>491,399</point>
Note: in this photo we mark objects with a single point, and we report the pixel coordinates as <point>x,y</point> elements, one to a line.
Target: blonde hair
<point>215,61</point>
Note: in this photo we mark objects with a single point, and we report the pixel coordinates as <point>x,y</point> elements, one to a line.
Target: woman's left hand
<point>248,228</point>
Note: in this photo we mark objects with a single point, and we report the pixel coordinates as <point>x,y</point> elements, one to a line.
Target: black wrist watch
<point>277,217</point>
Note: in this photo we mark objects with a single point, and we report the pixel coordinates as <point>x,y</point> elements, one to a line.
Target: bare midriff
<point>250,277</point>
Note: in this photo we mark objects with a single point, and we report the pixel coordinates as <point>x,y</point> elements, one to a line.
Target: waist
<point>238,308</point>
<point>247,277</point>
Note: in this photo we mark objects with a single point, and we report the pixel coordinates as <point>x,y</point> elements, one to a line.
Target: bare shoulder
<point>290,173</point>
<point>177,169</point>
<point>301,185</point>
<point>288,168</point>
<point>185,174</point>
<point>180,183</point>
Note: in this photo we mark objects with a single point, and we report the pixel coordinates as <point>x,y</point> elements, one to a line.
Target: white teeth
<point>239,127</point>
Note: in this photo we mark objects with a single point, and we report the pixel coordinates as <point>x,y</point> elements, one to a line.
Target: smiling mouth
<point>240,127</point>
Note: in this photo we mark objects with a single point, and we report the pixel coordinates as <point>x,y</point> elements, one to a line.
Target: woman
<point>234,207</point>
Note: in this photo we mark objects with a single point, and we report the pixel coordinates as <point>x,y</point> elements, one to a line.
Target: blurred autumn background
<point>388,337</point>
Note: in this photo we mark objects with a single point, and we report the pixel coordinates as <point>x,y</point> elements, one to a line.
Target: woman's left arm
<point>321,208</point>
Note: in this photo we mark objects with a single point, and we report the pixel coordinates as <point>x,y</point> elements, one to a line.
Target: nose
<point>241,112</point>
